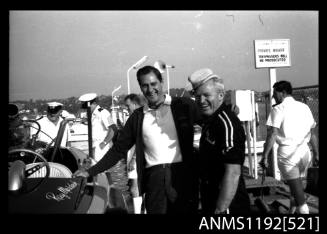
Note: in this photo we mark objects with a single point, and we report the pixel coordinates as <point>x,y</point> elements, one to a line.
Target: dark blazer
<point>185,114</point>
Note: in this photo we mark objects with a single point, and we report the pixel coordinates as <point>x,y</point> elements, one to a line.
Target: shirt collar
<point>221,108</point>
<point>167,102</point>
<point>288,99</point>
<point>95,109</point>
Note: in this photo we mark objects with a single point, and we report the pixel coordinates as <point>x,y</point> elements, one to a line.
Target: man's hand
<point>131,165</point>
<point>235,109</point>
<point>103,144</point>
<point>81,173</point>
<point>315,162</point>
<point>217,211</point>
<point>264,162</point>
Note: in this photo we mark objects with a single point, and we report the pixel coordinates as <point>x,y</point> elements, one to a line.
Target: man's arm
<point>112,129</point>
<point>228,187</point>
<point>117,152</point>
<point>270,141</point>
<point>314,145</point>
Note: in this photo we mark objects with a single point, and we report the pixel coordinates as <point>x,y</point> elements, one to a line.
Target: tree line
<point>72,104</point>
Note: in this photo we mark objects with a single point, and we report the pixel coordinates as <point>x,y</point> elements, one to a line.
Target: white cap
<point>54,104</point>
<point>54,107</point>
<point>201,76</point>
<point>87,97</point>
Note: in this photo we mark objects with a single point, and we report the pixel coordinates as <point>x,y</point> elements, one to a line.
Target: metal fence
<point>308,95</point>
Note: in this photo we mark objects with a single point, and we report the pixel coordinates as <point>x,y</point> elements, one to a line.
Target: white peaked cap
<point>87,97</point>
<point>54,104</point>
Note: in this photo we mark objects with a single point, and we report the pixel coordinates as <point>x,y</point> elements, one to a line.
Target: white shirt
<point>294,121</point>
<point>160,135</point>
<point>101,121</point>
<point>51,129</point>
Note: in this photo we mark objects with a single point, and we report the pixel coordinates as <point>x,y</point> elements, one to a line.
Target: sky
<point>61,54</point>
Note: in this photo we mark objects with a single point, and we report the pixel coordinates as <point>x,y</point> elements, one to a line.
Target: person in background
<point>36,114</point>
<point>50,125</point>
<point>103,128</point>
<point>133,102</point>
<point>291,126</point>
<point>104,131</point>
<point>222,148</point>
<point>162,132</point>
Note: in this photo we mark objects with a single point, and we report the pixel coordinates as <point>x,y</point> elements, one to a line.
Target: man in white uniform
<point>103,128</point>
<point>103,131</point>
<point>50,125</point>
<point>290,125</point>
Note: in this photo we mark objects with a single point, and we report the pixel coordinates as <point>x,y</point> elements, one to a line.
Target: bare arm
<point>314,144</point>
<point>270,141</point>
<point>110,134</point>
<point>228,187</point>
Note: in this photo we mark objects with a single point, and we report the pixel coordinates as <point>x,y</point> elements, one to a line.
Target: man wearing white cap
<point>222,148</point>
<point>50,125</point>
<point>103,128</point>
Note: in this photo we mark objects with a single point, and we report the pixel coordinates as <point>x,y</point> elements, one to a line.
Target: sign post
<point>271,54</point>
<point>272,80</point>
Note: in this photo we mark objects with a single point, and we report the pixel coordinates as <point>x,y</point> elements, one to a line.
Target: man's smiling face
<point>151,88</point>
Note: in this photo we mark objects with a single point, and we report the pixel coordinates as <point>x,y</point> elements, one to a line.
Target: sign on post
<point>272,53</point>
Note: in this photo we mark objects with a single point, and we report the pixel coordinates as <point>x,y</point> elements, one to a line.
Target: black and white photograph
<point>208,114</point>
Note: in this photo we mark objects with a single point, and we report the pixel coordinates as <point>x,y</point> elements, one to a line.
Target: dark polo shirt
<point>222,142</point>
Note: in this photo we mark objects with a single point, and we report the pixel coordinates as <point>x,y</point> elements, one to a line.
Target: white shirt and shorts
<point>294,122</point>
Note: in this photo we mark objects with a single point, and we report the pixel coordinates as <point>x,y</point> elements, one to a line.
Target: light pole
<point>112,96</point>
<point>168,66</point>
<point>160,65</point>
<point>187,84</point>
<point>135,66</point>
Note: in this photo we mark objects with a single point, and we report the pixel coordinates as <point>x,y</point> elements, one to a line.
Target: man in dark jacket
<point>162,132</point>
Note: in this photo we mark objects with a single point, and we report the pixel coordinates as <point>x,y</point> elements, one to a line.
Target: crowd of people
<point>166,175</point>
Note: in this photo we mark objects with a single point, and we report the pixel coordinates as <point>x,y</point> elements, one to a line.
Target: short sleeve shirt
<point>223,139</point>
<point>222,142</point>
<point>294,121</point>
<point>101,121</point>
<point>49,131</point>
